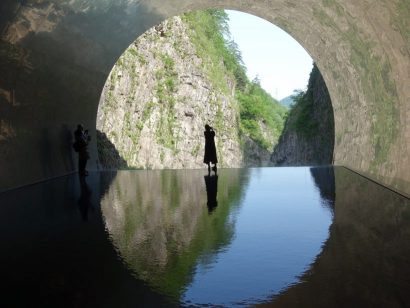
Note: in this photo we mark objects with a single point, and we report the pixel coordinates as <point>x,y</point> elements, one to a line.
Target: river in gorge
<point>277,237</point>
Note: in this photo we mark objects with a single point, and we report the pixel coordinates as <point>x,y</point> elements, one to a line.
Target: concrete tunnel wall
<point>56,55</point>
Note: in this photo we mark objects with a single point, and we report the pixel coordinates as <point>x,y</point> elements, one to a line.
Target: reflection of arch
<point>40,248</point>
<point>364,263</point>
<point>162,233</point>
<point>361,49</point>
<point>324,178</point>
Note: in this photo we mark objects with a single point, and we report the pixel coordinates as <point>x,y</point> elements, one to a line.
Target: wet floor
<point>324,237</point>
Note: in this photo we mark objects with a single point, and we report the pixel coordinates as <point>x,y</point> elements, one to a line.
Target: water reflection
<point>84,202</point>
<point>278,237</point>
<point>280,228</point>
<point>51,257</point>
<point>266,227</point>
<point>324,178</point>
<point>365,262</point>
<point>211,182</point>
<point>159,222</point>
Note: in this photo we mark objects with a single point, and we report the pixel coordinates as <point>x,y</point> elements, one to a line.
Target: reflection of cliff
<point>52,258</point>
<point>365,262</point>
<point>160,223</point>
<point>324,178</point>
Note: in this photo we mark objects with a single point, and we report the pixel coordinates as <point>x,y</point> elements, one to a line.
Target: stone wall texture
<point>55,57</point>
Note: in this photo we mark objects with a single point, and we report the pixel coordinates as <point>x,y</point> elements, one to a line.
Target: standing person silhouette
<point>210,149</point>
<point>81,146</point>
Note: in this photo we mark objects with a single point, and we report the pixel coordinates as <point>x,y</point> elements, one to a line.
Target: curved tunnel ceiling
<point>56,55</point>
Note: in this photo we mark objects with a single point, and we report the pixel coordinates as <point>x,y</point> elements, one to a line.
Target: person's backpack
<point>76,146</point>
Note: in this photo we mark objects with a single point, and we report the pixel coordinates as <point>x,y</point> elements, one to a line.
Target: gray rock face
<point>157,100</point>
<point>56,55</point>
<point>312,142</point>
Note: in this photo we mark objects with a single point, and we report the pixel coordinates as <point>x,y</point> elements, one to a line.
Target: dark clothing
<point>82,143</point>
<point>82,164</point>
<point>211,183</point>
<point>210,150</point>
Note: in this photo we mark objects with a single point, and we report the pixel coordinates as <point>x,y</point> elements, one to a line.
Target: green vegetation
<point>401,21</point>
<point>303,120</point>
<point>210,34</point>
<point>258,108</point>
<point>167,82</point>
<point>195,150</point>
<point>134,53</point>
<point>255,114</point>
<point>311,122</point>
<point>302,115</point>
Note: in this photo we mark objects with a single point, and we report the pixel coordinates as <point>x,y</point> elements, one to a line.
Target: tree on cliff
<point>258,109</point>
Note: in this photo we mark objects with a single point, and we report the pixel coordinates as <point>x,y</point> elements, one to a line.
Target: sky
<point>280,62</point>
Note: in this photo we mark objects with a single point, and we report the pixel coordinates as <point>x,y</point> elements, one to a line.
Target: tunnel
<point>70,243</point>
<point>56,56</point>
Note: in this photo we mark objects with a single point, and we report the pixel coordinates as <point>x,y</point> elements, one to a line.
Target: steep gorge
<point>308,136</point>
<point>165,88</point>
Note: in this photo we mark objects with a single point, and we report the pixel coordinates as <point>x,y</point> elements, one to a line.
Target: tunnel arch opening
<point>57,57</point>
<point>146,109</point>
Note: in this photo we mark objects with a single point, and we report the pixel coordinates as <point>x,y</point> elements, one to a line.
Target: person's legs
<point>209,168</point>
<point>85,165</point>
<point>214,168</point>
<point>81,166</point>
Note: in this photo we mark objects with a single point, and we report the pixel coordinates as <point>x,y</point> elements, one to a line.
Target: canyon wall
<point>55,57</point>
<point>157,99</point>
<point>308,136</point>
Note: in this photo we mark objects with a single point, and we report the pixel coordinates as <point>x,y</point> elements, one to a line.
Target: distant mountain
<point>287,101</point>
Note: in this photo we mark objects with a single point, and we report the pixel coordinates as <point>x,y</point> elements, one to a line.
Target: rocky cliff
<point>308,136</point>
<point>150,228</point>
<point>157,99</point>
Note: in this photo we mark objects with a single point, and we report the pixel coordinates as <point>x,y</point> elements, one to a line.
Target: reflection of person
<point>80,145</point>
<point>210,149</point>
<point>211,183</point>
<point>84,202</point>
